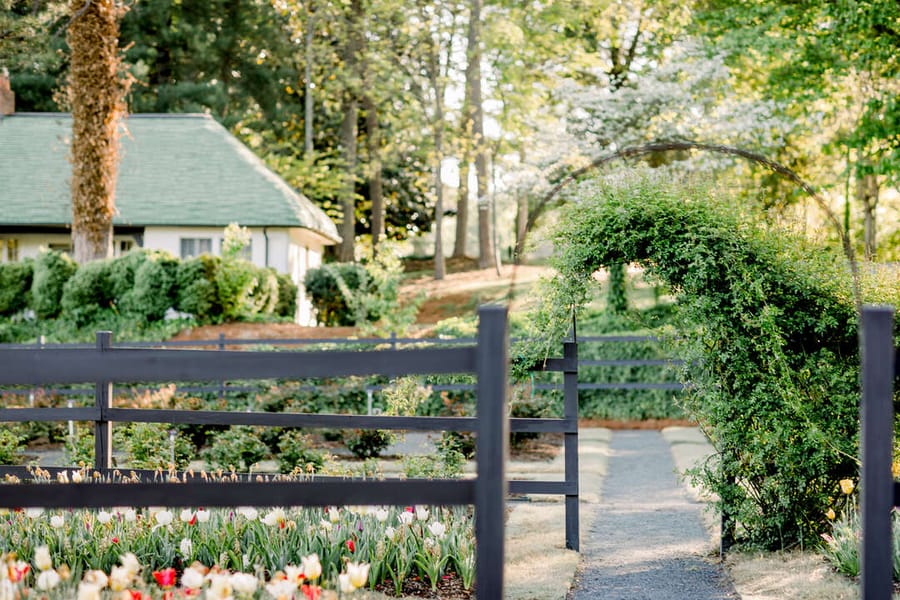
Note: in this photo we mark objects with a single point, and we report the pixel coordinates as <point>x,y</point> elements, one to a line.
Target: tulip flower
<point>42,559</point>
<point>192,579</point>
<point>47,580</point>
<point>437,529</point>
<point>165,578</point>
<point>358,574</point>
<point>312,568</point>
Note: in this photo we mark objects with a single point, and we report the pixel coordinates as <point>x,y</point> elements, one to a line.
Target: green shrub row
<point>767,326</point>
<point>144,285</point>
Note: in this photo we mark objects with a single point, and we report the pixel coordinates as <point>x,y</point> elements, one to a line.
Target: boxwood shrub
<point>767,324</point>
<point>197,292</point>
<point>51,272</point>
<point>324,288</point>
<point>15,286</point>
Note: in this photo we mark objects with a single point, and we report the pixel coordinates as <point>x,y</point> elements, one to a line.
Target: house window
<point>246,252</point>
<point>64,248</point>
<point>12,250</point>
<point>195,247</point>
<point>125,246</point>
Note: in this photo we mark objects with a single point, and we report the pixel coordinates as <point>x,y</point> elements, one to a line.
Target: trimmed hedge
<point>197,292</point>
<point>768,327</point>
<point>329,296</point>
<point>51,272</point>
<point>15,286</point>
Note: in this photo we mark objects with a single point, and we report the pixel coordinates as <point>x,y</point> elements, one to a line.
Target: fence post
<point>491,451</point>
<point>103,402</point>
<point>221,381</point>
<point>570,412</point>
<point>876,423</point>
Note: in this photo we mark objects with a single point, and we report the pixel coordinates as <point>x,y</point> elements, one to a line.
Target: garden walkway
<point>647,540</point>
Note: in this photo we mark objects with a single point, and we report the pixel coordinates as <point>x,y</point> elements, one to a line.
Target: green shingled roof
<point>175,170</point>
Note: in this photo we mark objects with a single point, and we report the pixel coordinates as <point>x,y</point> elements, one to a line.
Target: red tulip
<point>312,592</point>
<point>165,578</point>
<point>351,546</point>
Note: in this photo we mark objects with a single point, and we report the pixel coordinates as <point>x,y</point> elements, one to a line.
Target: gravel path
<point>647,541</point>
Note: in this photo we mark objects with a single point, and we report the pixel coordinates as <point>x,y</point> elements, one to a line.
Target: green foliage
<point>245,289</point>
<point>149,447</point>
<point>11,446</point>
<point>627,405</point>
<point>366,295</point>
<point>237,448</point>
<point>368,443</point>
<point>287,296</point>
<point>79,449</point>
<point>51,272</point>
<point>15,286</point>
<point>768,332</point>
<point>88,292</point>
<point>154,288</point>
<point>328,287</point>
<point>295,451</point>
<point>122,272</point>
<point>197,293</point>
<point>617,298</point>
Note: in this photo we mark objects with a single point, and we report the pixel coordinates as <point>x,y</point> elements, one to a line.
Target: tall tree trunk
<point>867,194</point>
<point>348,194</point>
<point>486,256</point>
<point>521,225</point>
<point>373,148</point>
<point>352,56</point>
<point>462,209</point>
<point>439,265</point>
<point>96,94</point>
<point>308,89</point>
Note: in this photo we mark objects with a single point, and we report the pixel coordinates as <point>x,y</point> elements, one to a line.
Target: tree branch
<point>772,165</point>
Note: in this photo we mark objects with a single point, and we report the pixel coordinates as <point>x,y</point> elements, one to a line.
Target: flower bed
<point>128,553</point>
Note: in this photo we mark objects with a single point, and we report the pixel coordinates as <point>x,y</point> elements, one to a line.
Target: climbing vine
<point>767,325</point>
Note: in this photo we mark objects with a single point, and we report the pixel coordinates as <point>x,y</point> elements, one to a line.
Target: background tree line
<point>372,107</point>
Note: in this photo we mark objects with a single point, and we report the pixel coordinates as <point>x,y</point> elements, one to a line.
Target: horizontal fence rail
<point>104,365</point>
<point>879,493</point>
<point>272,361</point>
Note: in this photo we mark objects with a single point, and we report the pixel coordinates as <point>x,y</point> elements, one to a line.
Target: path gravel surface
<point>647,540</point>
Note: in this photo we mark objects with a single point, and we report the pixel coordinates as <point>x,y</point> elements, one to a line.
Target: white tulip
<point>312,568</point>
<point>244,583</point>
<point>192,579</point>
<point>437,529</point>
<point>42,559</point>
<point>358,573</point>
<point>57,521</point>
<point>104,517</point>
<point>47,580</point>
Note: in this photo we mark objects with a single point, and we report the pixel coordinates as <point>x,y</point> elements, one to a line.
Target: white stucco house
<point>182,179</point>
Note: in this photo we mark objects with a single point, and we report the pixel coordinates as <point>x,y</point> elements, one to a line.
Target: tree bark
<point>867,194</point>
<point>486,255</point>
<point>96,94</point>
<point>521,225</point>
<point>348,195</point>
<point>307,90</point>
<point>373,146</point>
<point>349,131</point>
<point>462,209</point>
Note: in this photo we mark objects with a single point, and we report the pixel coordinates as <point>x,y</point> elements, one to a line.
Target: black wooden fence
<point>879,493</point>
<point>567,425</point>
<point>106,365</point>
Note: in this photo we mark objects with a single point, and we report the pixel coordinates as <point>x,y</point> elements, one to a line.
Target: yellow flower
<point>830,514</point>
<point>847,486</point>
<point>895,469</point>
